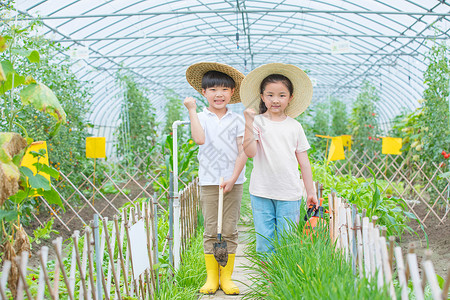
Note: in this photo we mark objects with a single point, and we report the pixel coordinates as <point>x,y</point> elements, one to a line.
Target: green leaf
<point>36,181</point>
<point>18,197</point>
<point>444,175</point>
<point>34,57</point>
<point>8,84</point>
<point>441,281</point>
<point>49,170</point>
<point>52,197</point>
<point>8,215</point>
<point>43,99</point>
<point>410,215</point>
<point>2,44</point>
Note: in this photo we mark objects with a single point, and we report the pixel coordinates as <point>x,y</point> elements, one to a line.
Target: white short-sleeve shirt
<point>275,173</point>
<point>217,156</point>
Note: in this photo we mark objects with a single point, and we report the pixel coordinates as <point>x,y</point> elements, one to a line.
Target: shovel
<point>220,248</point>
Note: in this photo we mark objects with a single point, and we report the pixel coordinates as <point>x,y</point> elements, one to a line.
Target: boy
<point>219,133</point>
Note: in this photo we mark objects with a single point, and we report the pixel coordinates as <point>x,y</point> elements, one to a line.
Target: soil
<point>438,240</point>
<point>221,253</point>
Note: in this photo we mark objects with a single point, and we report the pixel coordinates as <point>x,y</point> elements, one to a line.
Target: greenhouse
<point>136,164</point>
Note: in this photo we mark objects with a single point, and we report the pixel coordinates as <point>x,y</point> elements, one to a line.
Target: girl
<point>278,144</point>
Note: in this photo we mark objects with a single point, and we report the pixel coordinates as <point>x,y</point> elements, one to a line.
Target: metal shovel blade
<point>221,253</point>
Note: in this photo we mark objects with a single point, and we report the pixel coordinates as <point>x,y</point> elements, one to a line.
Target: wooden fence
<point>372,255</point>
<point>422,186</point>
<point>76,274</point>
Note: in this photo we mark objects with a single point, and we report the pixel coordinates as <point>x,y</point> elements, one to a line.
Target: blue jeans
<point>271,217</point>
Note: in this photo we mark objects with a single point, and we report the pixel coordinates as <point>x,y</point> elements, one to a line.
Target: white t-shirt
<point>275,173</point>
<point>217,156</point>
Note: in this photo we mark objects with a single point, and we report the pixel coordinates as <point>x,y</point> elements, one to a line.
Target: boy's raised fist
<point>190,103</point>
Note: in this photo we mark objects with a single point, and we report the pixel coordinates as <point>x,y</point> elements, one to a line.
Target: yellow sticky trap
<point>347,141</point>
<point>95,147</point>
<point>336,149</point>
<point>391,146</point>
<point>28,160</point>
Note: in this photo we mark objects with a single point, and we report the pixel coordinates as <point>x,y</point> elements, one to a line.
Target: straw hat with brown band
<point>194,75</point>
<point>303,90</point>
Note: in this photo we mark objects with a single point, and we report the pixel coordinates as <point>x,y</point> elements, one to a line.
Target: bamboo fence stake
<point>41,285</point>
<point>351,216</point>
<point>83,291</point>
<point>373,267</point>
<point>343,230</point>
<point>426,257</point>
<point>410,250</point>
<point>57,248</point>
<point>148,278</point>
<point>391,252</point>
<point>337,228</point>
<point>119,237</point>
<point>128,224</point>
<point>378,262</point>
<point>383,231</point>
<point>90,263</point>
<point>84,267</point>
<point>4,279</point>
<point>331,208</point>
<point>386,266</point>
<point>149,245</point>
<point>43,255</point>
<point>374,220</point>
<point>446,286</point>
<point>432,279</point>
<point>360,246</point>
<point>415,277</point>
<point>155,239</point>
<point>366,246</point>
<point>112,260</point>
<point>73,264</point>
<point>22,262</point>
<point>363,213</point>
<point>57,271</point>
<point>111,255</point>
<point>401,273</point>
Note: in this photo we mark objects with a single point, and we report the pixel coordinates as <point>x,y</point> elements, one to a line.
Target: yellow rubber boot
<point>212,279</point>
<point>226,284</point>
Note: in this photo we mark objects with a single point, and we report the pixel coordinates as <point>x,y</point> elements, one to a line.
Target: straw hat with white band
<point>195,73</point>
<point>303,90</point>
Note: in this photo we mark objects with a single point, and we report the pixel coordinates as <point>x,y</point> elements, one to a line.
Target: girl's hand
<point>249,114</point>
<point>311,200</point>
<point>190,103</point>
<point>228,185</point>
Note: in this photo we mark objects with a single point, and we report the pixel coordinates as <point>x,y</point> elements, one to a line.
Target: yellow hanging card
<point>347,141</point>
<point>336,149</point>
<point>28,159</point>
<point>95,147</point>
<point>391,146</point>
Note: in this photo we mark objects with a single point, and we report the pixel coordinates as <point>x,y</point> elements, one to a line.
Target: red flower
<point>378,139</point>
<point>442,164</point>
<point>370,137</point>
<point>373,114</point>
<point>443,152</point>
<point>171,133</point>
<point>447,155</point>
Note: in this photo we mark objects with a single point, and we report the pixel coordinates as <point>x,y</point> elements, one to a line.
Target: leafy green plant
<point>363,119</point>
<point>312,267</point>
<point>43,232</point>
<point>366,194</point>
<point>137,132</point>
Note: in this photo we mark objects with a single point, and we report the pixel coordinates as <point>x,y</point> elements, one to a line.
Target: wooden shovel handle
<point>220,211</point>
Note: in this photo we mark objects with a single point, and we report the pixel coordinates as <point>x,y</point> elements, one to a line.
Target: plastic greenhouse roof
<point>382,41</point>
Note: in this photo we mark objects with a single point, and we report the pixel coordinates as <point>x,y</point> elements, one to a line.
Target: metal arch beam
<point>255,53</point>
<point>253,34</point>
<point>406,30</point>
<point>247,11</point>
